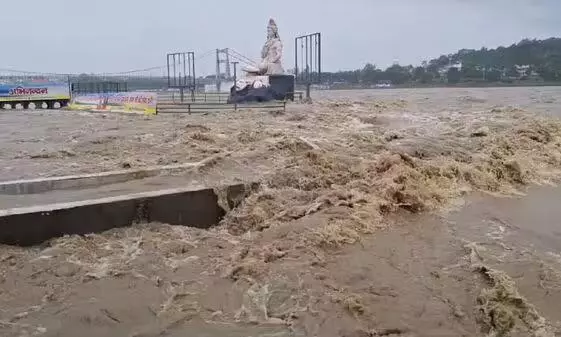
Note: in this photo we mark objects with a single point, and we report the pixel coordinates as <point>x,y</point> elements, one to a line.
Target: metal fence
<point>307,60</point>
<point>201,102</point>
<point>177,97</point>
<point>78,88</point>
<point>202,107</point>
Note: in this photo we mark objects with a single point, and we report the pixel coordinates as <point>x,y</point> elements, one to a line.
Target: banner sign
<point>34,91</point>
<point>136,102</point>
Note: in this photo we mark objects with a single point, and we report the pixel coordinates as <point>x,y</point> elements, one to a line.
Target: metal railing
<point>175,97</point>
<point>208,97</point>
<point>299,94</point>
<point>202,107</point>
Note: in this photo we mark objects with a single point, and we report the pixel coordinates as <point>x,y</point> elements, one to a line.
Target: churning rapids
<point>428,212</point>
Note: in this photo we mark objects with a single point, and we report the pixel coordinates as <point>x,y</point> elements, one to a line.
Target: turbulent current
<point>379,213</point>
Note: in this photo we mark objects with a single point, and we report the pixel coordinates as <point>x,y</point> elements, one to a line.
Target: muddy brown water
<point>310,260</point>
<point>413,279</point>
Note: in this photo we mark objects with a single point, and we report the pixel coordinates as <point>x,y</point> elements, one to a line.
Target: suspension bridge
<point>154,77</point>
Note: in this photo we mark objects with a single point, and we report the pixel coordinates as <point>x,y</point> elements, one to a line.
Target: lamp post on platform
<point>235,71</point>
<point>233,93</point>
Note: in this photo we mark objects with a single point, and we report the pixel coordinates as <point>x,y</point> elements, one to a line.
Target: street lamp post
<point>233,93</point>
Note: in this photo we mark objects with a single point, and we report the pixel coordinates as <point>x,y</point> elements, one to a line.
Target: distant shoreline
<point>445,85</point>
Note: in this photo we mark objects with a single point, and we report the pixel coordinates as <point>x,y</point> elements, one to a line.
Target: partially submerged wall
<point>201,208</point>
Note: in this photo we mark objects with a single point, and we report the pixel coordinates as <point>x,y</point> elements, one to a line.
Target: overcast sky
<point>119,35</point>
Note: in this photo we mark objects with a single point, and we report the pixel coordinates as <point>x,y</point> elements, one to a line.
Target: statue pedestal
<point>262,89</point>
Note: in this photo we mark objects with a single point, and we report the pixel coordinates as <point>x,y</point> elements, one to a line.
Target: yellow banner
<point>131,102</point>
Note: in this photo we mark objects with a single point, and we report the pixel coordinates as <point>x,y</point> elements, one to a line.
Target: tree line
<point>527,60</point>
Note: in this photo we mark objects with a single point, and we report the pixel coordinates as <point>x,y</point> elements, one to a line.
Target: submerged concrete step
<point>40,185</point>
<point>200,208</point>
<point>96,192</point>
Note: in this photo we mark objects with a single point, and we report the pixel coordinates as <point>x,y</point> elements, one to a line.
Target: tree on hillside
<point>471,72</point>
<point>370,74</point>
<point>493,75</point>
<point>397,74</point>
<point>454,76</point>
<point>418,73</point>
<point>512,72</point>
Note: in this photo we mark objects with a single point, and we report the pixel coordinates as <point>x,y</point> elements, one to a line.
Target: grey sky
<point>119,35</point>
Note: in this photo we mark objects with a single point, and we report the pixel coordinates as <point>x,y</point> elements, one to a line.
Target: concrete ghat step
<point>40,185</point>
<point>183,206</point>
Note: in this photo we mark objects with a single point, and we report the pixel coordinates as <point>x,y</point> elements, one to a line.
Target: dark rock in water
<point>481,132</point>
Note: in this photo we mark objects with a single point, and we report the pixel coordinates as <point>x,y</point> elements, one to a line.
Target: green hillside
<point>527,60</point>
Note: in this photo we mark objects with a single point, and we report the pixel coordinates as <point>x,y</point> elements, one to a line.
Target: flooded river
<point>427,212</point>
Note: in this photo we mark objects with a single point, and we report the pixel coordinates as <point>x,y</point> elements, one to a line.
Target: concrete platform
<point>58,196</point>
<point>35,210</point>
<point>40,185</point>
<point>199,208</point>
